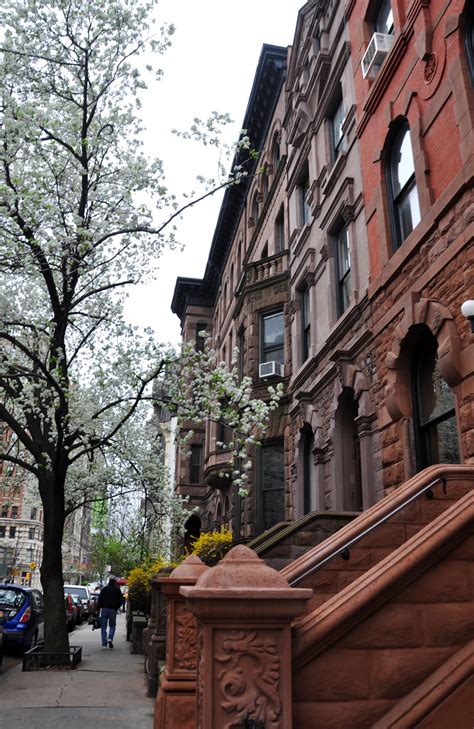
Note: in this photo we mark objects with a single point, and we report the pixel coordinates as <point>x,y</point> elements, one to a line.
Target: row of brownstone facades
<point>346,261</point>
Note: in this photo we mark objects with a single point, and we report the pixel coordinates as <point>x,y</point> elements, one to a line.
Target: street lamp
<point>467,310</point>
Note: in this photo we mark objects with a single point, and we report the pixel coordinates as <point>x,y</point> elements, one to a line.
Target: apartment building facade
<point>339,266</point>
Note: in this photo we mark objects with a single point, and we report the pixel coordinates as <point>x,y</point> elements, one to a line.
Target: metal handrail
<point>344,550</point>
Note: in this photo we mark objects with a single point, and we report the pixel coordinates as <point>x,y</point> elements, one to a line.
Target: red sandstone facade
<point>347,262</point>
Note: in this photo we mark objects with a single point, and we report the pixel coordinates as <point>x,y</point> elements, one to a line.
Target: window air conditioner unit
<point>270,369</point>
<point>379,46</point>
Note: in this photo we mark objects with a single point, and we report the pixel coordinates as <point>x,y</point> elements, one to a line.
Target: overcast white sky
<point>210,66</point>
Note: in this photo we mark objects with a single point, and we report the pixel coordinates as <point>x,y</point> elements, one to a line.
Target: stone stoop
<point>381,642</point>
<point>341,570</point>
<point>284,543</point>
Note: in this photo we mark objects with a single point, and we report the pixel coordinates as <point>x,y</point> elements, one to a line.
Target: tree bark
<point>51,488</point>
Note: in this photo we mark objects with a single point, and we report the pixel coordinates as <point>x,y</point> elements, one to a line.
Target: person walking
<point>110,600</point>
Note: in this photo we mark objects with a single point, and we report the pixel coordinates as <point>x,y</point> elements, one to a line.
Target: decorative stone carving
<point>249,678</point>
<point>185,639</point>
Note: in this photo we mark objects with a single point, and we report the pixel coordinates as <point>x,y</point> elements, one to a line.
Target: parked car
<point>80,611</point>
<point>23,615</point>
<point>2,635</point>
<point>71,611</point>
<point>82,592</point>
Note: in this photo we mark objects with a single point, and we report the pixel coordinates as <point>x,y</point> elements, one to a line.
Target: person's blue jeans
<point>107,615</point>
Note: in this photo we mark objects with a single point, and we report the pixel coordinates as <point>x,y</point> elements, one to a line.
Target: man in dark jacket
<point>110,600</point>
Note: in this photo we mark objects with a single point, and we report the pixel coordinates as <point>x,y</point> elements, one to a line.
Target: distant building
<point>22,527</point>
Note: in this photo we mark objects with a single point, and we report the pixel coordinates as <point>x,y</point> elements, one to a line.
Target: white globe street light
<point>467,310</point>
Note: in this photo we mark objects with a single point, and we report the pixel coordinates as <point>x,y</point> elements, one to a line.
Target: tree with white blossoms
<point>74,235</point>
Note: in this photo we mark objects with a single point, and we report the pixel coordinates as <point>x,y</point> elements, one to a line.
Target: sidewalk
<point>106,690</point>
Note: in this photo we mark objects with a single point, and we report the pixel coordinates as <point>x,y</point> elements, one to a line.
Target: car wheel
<point>33,642</point>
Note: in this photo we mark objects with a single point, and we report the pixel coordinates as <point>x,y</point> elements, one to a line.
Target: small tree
<point>74,235</point>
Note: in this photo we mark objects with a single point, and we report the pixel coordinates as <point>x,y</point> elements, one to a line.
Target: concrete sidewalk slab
<point>108,687</point>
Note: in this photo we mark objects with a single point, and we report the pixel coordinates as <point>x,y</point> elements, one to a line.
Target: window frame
<point>305,323</point>
<point>270,349</point>
<point>384,6</point>
<point>343,277</point>
<point>469,40</point>
<point>424,427</point>
<point>337,140</point>
<point>280,231</point>
<point>195,468</point>
<point>302,191</point>
<point>397,199</point>
<point>261,512</point>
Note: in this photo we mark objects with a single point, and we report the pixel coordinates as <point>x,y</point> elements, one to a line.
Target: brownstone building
<point>341,268</point>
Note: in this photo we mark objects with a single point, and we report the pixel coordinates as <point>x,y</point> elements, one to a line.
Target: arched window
<point>436,436</point>
<point>255,209</point>
<point>276,156</point>
<point>405,207</point>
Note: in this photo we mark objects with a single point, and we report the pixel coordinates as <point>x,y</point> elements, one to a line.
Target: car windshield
<point>10,597</point>
<point>79,591</point>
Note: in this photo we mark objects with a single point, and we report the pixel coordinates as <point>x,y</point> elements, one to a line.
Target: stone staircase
<point>287,541</point>
<point>384,639</point>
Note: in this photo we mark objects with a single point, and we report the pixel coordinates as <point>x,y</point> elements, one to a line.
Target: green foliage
<point>212,546</point>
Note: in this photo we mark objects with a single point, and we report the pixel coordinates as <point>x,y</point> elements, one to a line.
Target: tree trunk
<point>51,488</point>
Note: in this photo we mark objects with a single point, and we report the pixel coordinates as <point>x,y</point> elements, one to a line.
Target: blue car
<point>23,615</point>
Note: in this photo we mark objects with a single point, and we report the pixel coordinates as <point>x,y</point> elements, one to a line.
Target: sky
<point>210,66</point>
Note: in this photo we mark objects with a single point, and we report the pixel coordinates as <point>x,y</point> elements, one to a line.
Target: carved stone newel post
<point>244,611</point>
<point>154,637</point>
<point>176,700</point>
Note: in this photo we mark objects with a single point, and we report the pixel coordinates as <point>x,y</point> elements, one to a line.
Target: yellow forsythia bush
<point>212,546</point>
<point>139,583</point>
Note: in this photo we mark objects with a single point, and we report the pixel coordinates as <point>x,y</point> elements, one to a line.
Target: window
<point>196,464</point>
<point>273,338</point>
<point>34,512</point>
<point>4,511</point>
<point>337,135</point>
<point>12,532</point>
<point>436,436</point>
<point>201,330</point>
<point>405,207</point>
<point>14,512</point>
<point>2,532</point>
<point>265,251</point>
<point>343,271</point>
<point>276,156</point>
<point>309,471</point>
<point>384,19</point>
<point>280,232</point>
<point>265,186</point>
<point>469,39</point>
<point>31,533</point>
<point>241,347</point>
<point>304,212</point>
<point>255,210</point>
<point>272,485</point>
<point>305,324</point>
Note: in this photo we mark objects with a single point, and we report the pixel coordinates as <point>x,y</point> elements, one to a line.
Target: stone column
<point>175,706</point>
<point>244,611</point>
<point>155,635</point>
